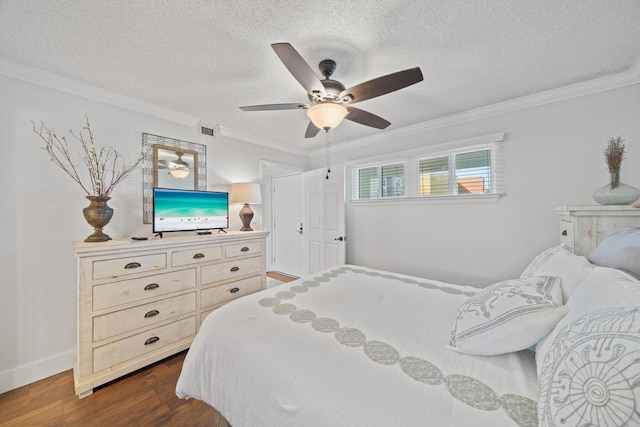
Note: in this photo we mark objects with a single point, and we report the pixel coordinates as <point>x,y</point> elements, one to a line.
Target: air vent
<point>207,131</point>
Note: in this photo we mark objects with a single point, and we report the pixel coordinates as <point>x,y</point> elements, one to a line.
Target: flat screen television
<point>189,210</point>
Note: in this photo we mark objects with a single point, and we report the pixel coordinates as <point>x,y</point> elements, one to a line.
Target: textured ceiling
<point>207,58</point>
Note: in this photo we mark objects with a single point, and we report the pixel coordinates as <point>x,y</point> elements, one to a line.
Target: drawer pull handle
<point>244,249</point>
<point>152,313</point>
<point>564,232</point>
<point>198,256</point>
<point>151,340</point>
<point>235,268</point>
<point>132,265</point>
<point>151,286</point>
<point>234,290</point>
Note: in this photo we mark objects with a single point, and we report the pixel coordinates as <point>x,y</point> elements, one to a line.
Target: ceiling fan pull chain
<point>328,154</point>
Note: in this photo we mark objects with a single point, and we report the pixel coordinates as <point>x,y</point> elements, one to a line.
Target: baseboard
<point>35,371</point>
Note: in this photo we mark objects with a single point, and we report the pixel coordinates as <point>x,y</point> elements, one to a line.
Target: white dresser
<point>141,301</point>
<point>582,228</point>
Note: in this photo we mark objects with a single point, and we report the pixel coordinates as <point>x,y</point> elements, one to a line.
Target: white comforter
<point>352,346</point>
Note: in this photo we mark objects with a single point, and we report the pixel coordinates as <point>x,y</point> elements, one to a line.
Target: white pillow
<point>591,374</point>
<point>604,288</point>
<point>558,261</point>
<point>508,316</point>
<point>621,250</point>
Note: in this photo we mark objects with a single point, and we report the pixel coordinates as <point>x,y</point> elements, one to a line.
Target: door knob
<point>340,239</point>
<point>300,231</point>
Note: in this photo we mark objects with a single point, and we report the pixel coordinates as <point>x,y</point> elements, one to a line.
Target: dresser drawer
<point>118,322</point>
<point>126,291</point>
<point>128,265</point>
<point>155,339</point>
<point>194,256</point>
<point>231,269</point>
<point>247,248</point>
<point>228,291</point>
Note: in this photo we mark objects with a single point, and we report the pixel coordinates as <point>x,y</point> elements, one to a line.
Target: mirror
<point>174,168</point>
<point>170,163</point>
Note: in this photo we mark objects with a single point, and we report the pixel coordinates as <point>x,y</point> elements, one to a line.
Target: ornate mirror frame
<point>150,167</point>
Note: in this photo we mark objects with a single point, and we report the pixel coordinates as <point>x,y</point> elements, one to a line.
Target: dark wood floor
<point>144,398</point>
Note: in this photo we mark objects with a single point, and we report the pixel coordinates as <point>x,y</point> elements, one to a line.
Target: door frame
<point>268,170</point>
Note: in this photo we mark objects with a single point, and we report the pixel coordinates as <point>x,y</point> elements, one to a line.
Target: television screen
<point>187,210</point>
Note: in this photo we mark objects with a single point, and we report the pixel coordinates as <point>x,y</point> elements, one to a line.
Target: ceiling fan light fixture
<point>327,115</point>
<point>179,172</point>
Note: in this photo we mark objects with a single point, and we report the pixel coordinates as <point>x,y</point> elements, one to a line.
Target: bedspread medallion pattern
<point>591,375</point>
<point>467,390</point>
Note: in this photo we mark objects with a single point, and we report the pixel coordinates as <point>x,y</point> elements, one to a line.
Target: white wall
<point>42,215</point>
<point>553,157</point>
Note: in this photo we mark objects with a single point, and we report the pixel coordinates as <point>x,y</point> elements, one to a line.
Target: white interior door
<point>325,237</point>
<point>288,224</point>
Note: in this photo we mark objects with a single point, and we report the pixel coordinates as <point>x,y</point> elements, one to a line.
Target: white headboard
<point>582,228</point>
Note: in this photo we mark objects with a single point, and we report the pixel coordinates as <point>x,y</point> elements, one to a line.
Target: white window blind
<point>379,181</point>
<point>433,176</point>
<point>392,177</point>
<point>367,183</point>
<point>462,171</point>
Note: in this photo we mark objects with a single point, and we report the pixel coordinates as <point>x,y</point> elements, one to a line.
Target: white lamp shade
<point>327,115</point>
<point>245,193</point>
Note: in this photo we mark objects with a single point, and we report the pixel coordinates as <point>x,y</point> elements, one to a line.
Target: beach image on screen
<point>178,210</point>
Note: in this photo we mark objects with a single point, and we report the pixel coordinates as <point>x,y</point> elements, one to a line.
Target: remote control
<point>139,238</point>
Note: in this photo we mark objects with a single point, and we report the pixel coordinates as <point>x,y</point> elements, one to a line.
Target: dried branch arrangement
<point>614,153</point>
<point>106,166</point>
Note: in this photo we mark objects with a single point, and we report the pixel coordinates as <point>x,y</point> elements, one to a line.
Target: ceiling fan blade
<point>271,107</point>
<point>366,118</point>
<point>381,85</point>
<point>312,130</point>
<point>299,68</point>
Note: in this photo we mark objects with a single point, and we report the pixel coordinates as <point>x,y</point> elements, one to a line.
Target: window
<point>464,169</point>
<point>367,181</point>
<point>471,173</point>
<point>434,176</point>
<point>392,177</point>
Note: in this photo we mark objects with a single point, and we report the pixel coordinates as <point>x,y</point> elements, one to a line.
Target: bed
<point>355,346</point>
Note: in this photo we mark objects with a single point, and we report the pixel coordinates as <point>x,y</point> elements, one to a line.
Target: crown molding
<point>64,84</point>
<point>613,81</point>
<point>85,90</point>
<point>247,137</point>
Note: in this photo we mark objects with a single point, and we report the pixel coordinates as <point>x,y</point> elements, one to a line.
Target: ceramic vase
<point>616,193</point>
<point>98,214</point>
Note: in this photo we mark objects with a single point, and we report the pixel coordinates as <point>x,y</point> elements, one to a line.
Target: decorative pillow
<point>604,288</point>
<point>558,261</point>
<point>590,376</point>
<point>621,250</point>
<point>508,316</point>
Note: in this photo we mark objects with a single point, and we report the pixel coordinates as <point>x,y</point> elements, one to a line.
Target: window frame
<point>411,160</point>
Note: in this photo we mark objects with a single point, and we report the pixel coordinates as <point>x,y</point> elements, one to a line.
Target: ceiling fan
<point>330,100</point>
<point>177,168</point>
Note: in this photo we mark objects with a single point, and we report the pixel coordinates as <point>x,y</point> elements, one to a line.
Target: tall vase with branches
<point>615,193</point>
<point>105,168</point>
